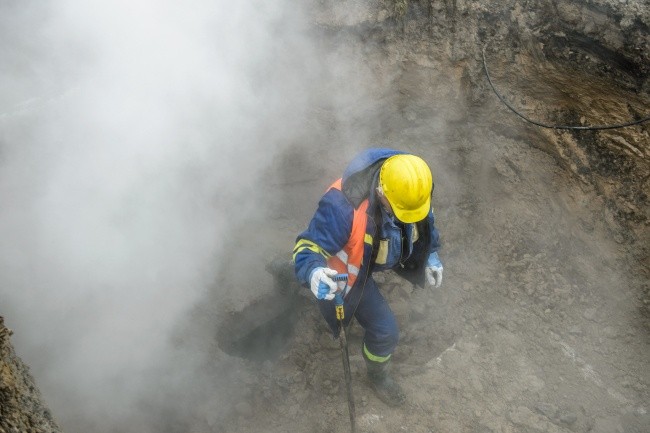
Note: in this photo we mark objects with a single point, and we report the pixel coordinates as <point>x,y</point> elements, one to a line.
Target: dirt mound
<point>542,321</point>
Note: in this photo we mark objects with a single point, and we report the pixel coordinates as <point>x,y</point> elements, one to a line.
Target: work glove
<point>433,270</point>
<point>321,283</point>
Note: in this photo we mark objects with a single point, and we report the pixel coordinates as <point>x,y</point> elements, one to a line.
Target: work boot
<point>382,382</point>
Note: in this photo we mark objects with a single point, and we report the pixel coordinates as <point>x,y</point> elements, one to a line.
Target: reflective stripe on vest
<point>350,258</point>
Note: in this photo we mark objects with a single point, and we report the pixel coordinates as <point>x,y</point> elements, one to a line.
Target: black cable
<point>363,287</point>
<point>546,125</point>
<point>365,278</point>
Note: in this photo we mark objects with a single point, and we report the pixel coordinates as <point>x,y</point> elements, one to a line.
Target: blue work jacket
<point>395,245</point>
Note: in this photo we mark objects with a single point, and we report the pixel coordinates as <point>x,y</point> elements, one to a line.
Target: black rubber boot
<point>384,385</point>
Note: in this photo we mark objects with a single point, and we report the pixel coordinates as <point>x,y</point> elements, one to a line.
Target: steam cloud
<point>131,133</point>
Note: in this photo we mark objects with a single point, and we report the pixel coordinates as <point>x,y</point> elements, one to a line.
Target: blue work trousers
<point>373,314</point>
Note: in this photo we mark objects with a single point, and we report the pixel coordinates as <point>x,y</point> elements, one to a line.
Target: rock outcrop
<point>21,407</point>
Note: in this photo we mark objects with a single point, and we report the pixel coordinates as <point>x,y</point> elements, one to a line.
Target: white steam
<point>131,135</point>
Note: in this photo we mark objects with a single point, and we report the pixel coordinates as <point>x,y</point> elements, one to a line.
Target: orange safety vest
<point>350,258</point>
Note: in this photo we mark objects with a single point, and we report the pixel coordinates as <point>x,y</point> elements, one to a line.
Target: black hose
<point>546,125</point>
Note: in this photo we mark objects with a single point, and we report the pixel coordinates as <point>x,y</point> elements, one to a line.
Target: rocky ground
<point>542,322</point>
<point>21,405</point>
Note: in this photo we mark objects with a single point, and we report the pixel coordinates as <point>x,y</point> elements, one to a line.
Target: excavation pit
<point>259,332</point>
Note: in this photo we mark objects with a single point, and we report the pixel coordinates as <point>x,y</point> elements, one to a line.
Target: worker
<point>378,216</point>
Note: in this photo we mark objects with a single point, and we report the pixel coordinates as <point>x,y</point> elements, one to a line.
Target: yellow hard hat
<point>407,184</point>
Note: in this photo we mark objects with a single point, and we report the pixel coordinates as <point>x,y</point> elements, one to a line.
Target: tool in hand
<point>340,315</point>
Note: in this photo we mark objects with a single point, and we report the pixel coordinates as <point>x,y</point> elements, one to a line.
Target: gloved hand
<point>433,270</point>
<point>321,283</point>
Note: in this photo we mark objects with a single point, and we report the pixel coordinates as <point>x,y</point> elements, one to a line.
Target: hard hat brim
<point>412,215</point>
